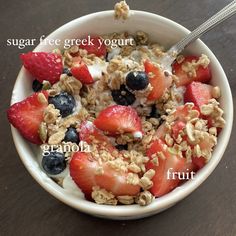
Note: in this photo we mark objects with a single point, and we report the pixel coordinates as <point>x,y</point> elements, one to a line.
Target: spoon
<point>170,56</point>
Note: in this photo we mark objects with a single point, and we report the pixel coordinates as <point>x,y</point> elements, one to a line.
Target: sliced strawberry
<point>27,115</point>
<point>116,182</point>
<point>83,171</point>
<point>198,93</point>
<point>202,74</point>
<point>199,162</point>
<point>162,183</point>
<point>119,119</point>
<point>158,81</point>
<point>89,133</point>
<point>43,65</point>
<point>81,73</point>
<point>96,46</point>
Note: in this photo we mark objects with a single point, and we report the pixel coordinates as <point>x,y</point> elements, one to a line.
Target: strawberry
<point>199,162</point>
<point>83,171</point>
<point>81,72</point>
<point>162,183</point>
<point>202,74</point>
<point>96,46</point>
<point>198,93</point>
<point>27,115</point>
<point>157,80</point>
<point>118,119</point>
<point>43,65</point>
<point>88,133</point>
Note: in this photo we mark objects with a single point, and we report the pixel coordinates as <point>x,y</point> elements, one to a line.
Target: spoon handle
<point>216,19</point>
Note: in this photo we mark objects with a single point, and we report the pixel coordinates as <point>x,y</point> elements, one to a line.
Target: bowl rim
<point>131,210</point>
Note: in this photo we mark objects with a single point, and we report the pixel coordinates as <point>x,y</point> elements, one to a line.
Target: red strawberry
<point>27,115</point>
<point>162,182</point>
<point>83,171</point>
<point>198,93</point>
<point>81,73</point>
<point>157,80</point>
<point>88,132</point>
<point>118,119</point>
<point>95,47</point>
<point>203,74</point>
<point>43,65</point>
<point>199,162</point>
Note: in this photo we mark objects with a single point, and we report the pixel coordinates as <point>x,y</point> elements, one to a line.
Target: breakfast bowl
<point>163,31</point>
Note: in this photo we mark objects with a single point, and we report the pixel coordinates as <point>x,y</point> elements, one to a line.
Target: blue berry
<point>121,147</point>
<point>154,112</point>
<point>66,71</point>
<point>123,96</point>
<point>137,80</point>
<point>71,135</point>
<point>54,163</point>
<point>64,102</point>
<point>37,86</point>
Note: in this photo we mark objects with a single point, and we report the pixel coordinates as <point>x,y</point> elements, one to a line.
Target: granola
<point>159,121</point>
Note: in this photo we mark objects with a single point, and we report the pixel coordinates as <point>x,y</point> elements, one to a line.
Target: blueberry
<point>66,71</point>
<point>37,86</point>
<point>64,102</point>
<point>154,112</point>
<point>54,163</point>
<point>123,96</point>
<point>121,147</point>
<point>137,80</point>
<point>71,135</point>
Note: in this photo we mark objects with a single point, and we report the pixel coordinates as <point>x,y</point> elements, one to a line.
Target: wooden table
<point>26,209</point>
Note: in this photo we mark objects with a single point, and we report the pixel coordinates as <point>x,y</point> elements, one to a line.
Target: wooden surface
<point>27,209</point>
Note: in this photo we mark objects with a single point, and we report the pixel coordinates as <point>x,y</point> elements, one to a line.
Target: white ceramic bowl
<point>164,31</point>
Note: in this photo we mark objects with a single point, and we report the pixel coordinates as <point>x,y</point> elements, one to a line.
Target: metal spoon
<point>170,56</point>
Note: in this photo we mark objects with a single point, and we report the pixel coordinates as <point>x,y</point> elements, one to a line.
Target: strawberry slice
<point>162,181</point>
<point>27,115</point>
<point>157,80</point>
<point>96,46</point>
<point>83,171</point>
<point>88,132</point>
<point>202,74</point>
<point>198,93</point>
<point>118,119</point>
<point>199,162</point>
<point>81,72</point>
<point>43,65</point>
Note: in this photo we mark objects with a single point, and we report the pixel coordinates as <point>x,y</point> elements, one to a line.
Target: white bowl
<point>161,30</point>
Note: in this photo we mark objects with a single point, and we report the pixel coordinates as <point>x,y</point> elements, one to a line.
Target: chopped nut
<point>43,132</point>
<point>102,196</point>
<point>127,200</point>
<point>121,10</point>
<point>42,98</point>
<point>132,178</point>
<point>144,198</point>
<point>57,137</point>
<point>134,168</point>
<point>216,92</point>
<point>145,183</point>
<point>190,131</point>
<point>149,174</point>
